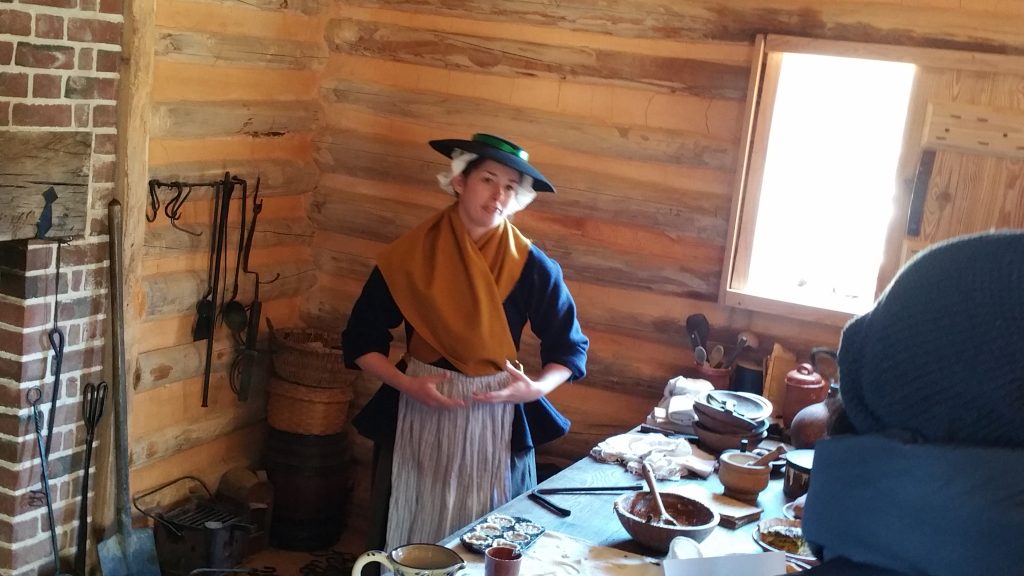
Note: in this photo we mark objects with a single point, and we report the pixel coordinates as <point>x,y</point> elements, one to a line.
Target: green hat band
<point>501,145</point>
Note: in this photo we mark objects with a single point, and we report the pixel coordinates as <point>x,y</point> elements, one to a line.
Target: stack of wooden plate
<point>725,419</point>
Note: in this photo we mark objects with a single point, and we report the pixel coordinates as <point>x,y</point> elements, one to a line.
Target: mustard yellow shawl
<point>451,289</point>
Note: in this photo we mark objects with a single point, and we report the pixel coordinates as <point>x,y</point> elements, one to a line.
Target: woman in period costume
<point>456,421</point>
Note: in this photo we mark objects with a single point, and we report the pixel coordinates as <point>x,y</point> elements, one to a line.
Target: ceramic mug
<point>502,561</point>
<point>414,560</point>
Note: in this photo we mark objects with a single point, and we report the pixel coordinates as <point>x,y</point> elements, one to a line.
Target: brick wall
<point>59,62</point>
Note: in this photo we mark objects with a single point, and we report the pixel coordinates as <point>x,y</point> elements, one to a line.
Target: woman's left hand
<point>520,388</point>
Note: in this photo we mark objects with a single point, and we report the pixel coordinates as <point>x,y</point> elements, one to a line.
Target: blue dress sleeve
<point>373,316</point>
<point>552,316</point>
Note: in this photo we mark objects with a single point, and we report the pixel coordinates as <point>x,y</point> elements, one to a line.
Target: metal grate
<point>199,514</point>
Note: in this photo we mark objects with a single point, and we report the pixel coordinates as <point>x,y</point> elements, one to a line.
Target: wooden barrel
<point>311,489</point>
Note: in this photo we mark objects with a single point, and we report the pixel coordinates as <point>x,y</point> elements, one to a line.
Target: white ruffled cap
<point>460,159</point>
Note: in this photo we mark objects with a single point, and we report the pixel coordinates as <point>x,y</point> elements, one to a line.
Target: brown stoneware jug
<point>804,387</point>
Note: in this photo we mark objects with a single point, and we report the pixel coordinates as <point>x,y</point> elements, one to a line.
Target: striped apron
<point>450,466</point>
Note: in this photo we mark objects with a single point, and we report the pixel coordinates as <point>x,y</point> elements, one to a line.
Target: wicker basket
<point>307,356</point>
<point>307,409</point>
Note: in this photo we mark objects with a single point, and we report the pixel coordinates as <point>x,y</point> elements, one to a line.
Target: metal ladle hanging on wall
<point>234,314</point>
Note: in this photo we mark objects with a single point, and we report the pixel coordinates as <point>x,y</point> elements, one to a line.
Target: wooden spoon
<point>768,458</point>
<point>649,477</point>
<point>745,339</point>
<point>716,355</point>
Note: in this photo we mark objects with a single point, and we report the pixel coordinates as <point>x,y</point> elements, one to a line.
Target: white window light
<point>819,192</point>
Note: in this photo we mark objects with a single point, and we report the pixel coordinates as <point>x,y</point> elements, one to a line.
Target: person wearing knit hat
<point>928,478</point>
<point>454,425</point>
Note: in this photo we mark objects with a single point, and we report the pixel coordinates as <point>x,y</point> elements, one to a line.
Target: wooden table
<point>594,520</point>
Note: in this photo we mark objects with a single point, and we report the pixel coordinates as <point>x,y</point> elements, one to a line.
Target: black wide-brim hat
<point>499,150</point>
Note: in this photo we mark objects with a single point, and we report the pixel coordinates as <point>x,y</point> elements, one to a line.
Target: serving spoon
<point>700,355</point>
<point>649,477</point>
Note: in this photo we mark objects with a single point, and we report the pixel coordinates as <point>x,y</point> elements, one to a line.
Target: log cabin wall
<point>234,88</point>
<point>632,108</point>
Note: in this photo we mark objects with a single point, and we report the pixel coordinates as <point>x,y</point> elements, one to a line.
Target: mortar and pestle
<point>744,475</point>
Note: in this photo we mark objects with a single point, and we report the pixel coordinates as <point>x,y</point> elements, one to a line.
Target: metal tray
<point>501,530</point>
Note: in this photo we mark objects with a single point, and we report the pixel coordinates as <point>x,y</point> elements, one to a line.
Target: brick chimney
<point>59,62</point>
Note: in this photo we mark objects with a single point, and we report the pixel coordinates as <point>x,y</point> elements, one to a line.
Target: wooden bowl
<point>696,520</point>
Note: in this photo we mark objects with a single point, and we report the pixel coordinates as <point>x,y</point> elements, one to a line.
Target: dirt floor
<point>336,561</point>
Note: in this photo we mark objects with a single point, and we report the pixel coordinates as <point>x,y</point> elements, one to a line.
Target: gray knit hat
<point>941,355</point>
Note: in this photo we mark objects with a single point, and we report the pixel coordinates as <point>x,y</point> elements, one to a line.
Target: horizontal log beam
<point>170,331</point>
<point>176,81</point>
<point>178,293</point>
<point>210,48</point>
<point>739,21</point>
<point>384,220</point>
<point>220,18</point>
<point>176,363</point>
<point>307,7</point>
<point>329,307</point>
<point>528,59</point>
<point>207,461</point>
<point>256,119</point>
<point>606,232</point>
<point>165,240</point>
<point>295,147</point>
<point>622,141</point>
<point>343,264</point>
<point>365,216</point>
<point>596,103</point>
<point>278,176</point>
<point>44,184</point>
<point>670,208</point>
<point>634,270</point>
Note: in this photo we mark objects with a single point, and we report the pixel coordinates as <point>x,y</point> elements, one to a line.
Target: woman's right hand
<point>423,389</point>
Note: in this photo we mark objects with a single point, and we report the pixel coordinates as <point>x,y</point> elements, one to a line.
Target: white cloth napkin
<point>670,458</point>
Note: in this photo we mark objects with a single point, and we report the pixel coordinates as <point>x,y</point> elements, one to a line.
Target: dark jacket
<point>884,506</point>
<point>539,297</point>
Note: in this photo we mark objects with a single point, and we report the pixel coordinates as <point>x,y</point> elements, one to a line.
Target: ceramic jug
<point>804,387</point>
<point>414,560</point>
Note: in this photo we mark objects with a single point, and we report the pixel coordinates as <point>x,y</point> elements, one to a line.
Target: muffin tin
<point>501,530</point>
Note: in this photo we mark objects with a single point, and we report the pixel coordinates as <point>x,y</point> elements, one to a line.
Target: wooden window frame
<point>768,50</point>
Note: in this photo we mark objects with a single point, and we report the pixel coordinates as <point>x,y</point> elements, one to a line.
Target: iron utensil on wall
<point>56,338</point>
<point>206,310</point>
<point>233,311</point>
<point>93,397</point>
<point>248,359</point>
<point>33,396</point>
<point>222,221</point>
